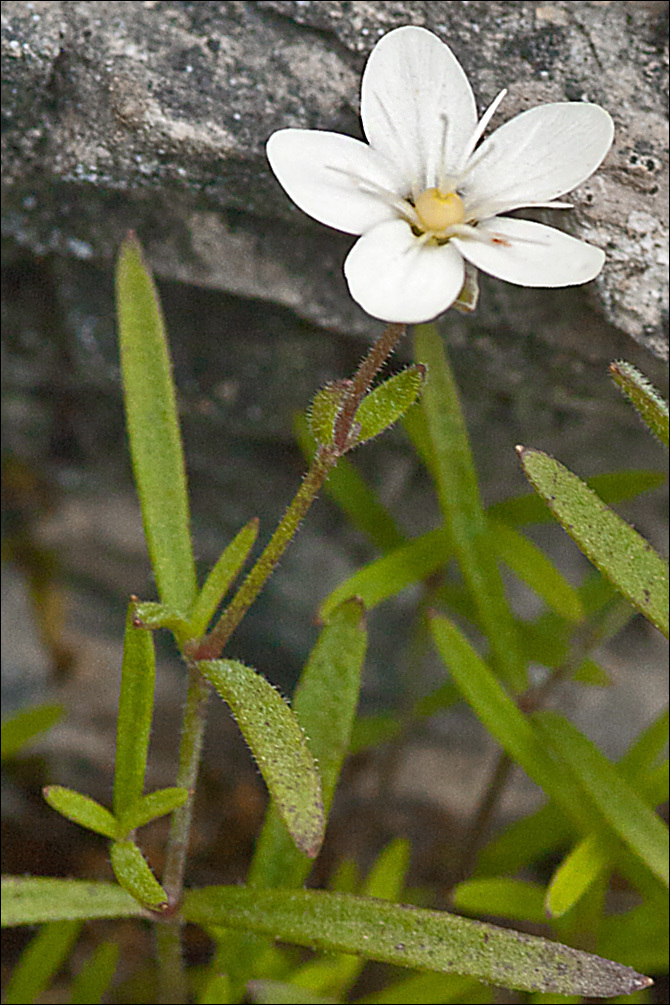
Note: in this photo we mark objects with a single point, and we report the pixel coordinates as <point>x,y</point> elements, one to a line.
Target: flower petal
<point>536,157</point>
<point>335,179</point>
<point>532,254</point>
<point>417,106</point>
<point>396,278</point>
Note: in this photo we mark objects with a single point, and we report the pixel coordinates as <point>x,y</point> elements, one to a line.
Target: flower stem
<point>324,460</point>
<point>172,986</point>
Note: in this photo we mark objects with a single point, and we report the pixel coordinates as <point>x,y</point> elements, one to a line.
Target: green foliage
<point>40,961</point>
<point>220,578</point>
<point>19,729</point>
<point>617,550</point>
<point>28,900</point>
<point>388,402</point>
<point>153,429</point>
<point>134,875</point>
<point>96,975</point>
<point>410,937</point>
<point>279,747</point>
<point>646,399</point>
<point>81,810</point>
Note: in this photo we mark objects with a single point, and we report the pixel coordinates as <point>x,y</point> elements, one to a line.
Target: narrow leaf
<point>220,578</point>
<point>612,487</point>
<point>22,727</point>
<point>504,720</point>
<point>353,495</point>
<point>385,577</point>
<point>28,900</point>
<point>638,937</point>
<point>81,810</point>
<point>150,616</point>
<point>644,396</point>
<point>526,841</point>
<point>411,937</point>
<point>40,961</point>
<point>458,494</point>
<point>374,730</point>
<point>629,816</point>
<point>133,726</point>
<point>384,405</point>
<point>280,993</point>
<point>96,975</point>
<point>579,870</point>
<point>151,807</point>
<point>279,746</point>
<point>323,411</point>
<point>153,428</point>
<point>133,873</point>
<point>536,570</point>
<point>617,550</point>
<point>501,897</point>
<point>325,703</point>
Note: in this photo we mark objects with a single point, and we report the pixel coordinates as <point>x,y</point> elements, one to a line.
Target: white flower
<point>424,195</point>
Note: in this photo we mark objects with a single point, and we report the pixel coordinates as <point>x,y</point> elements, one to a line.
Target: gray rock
<point>155,116</point>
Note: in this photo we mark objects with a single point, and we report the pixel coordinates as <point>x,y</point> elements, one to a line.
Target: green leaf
<point>612,487</point>
<point>28,900</point>
<point>644,397</point>
<point>134,875</point>
<point>579,870</point>
<point>617,550</point>
<point>638,937</point>
<point>410,937</point>
<point>426,989</point>
<point>151,807</point>
<point>149,615</point>
<point>220,578</point>
<point>501,898</point>
<point>40,961</point>
<point>346,487</point>
<point>22,727</point>
<point>279,746</point>
<point>460,503</point>
<point>96,975</point>
<point>629,816</point>
<point>280,993</point>
<point>81,810</point>
<point>526,841</point>
<point>536,570</point>
<point>133,726</point>
<point>504,720</point>
<point>323,411</point>
<point>153,428</point>
<point>387,402</point>
<point>385,577</point>
<point>325,703</point>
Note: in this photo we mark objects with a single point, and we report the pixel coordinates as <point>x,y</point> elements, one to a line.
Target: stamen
<point>481,126</point>
<point>403,207</point>
<point>442,182</point>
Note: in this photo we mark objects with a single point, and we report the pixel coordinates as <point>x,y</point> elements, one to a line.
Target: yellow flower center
<point>438,212</point>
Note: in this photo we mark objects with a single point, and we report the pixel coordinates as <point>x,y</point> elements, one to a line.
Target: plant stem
<point>190,749</point>
<point>172,986</point>
<point>324,460</point>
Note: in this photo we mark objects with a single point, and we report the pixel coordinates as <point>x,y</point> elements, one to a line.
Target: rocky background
<point>153,116</point>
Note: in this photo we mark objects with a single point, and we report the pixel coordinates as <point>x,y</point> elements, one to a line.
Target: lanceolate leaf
<point>28,900</point>
<point>279,746</point>
<point>40,961</point>
<point>133,873</point>
<point>627,813</point>
<point>617,550</point>
<point>411,937</point>
<point>384,405</point>
<point>136,705</point>
<point>459,498</point>
<point>96,975</point>
<point>643,396</point>
<point>220,578</point>
<point>323,411</point>
<point>81,810</point>
<point>325,705</point>
<point>153,429</point>
<point>151,807</point>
